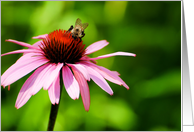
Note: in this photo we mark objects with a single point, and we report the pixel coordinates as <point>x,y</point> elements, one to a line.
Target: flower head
<point>57,51</point>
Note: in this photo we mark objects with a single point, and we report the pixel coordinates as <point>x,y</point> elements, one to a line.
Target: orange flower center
<point>61,47</point>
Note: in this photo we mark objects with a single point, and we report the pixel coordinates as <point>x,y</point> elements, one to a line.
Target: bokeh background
<point>151,30</point>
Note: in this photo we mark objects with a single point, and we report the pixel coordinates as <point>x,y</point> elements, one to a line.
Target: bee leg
<point>83,34</point>
<point>80,39</point>
<point>70,28</point>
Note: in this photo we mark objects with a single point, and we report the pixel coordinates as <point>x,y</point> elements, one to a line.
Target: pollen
<point>60,46</point>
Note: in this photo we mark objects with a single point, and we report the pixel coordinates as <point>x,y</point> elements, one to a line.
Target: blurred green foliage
<point>151,30</point>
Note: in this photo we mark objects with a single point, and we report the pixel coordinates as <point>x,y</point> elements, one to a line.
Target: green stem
<point>54,108</point>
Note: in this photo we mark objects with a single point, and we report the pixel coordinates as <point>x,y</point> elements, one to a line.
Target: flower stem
<point>54,108</point>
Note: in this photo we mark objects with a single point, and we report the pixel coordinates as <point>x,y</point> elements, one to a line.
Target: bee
<point>78,30</point>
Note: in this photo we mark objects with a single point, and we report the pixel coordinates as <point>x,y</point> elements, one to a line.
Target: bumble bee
<point>78,30</point>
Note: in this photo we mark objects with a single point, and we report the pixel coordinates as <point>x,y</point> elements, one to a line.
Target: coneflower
<point>59,52</point>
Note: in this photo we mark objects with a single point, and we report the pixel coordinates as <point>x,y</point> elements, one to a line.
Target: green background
<point>151,30</point>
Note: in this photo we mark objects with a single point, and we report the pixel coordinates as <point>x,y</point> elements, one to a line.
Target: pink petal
<point>30,57</point>
<point>25,59</point>
<point>25,92</point>
<point>57,90</point>
<point>107,74</point>
<point>99,80</point>
<point>113,54</point>
<point>82,69</point>
<point>21,43</point>
<point>96,46</point>
<point>22,51</point>
<point>52,75</point>
<point>54,90</point>
<point>38,44</point>
<point>40,36</point>
<point>116,73</point>
<point>71,85</point>
<point>123,83</point>
<point>19,69</point>
<point>41,78</point>
<point>84,89</point>
<point>88,58</point>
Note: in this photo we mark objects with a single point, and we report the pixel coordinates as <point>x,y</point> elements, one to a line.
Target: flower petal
<point>99,80</point>
<point>52,75</point>
<point>82,69</point>
<point>41,78</point>
<point>96,46</point>
<point>54,90</point>
<point>113,54</point>
<point>38,44</point>
<point>25,92</point>
<point>40,36</point>
<point>116,73</point>
<point>71,85</point>
<point>88,58</point>
<point>57,90</point>
<point>21,43</point>
<point>84,89</point>
<point>112,76</point>
<point>23,60</point>
<point>22,51</point>
<point>18,70</point>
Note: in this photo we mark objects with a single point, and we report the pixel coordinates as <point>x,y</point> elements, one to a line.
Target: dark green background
<point>151,30</point>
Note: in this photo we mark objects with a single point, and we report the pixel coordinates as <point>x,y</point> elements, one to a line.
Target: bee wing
<point>78,22</point>
<point>85,25</point>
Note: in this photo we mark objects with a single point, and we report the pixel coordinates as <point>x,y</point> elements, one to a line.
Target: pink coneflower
<point>59,51</point>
